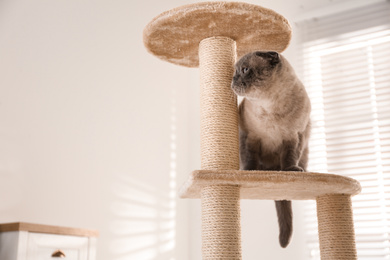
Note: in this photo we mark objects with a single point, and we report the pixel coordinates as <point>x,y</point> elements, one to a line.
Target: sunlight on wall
<point>172,172</point>
<point>348,85</point>
<point>145,217</point>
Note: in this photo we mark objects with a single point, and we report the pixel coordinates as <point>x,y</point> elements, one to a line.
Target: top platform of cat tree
<point>175,35</point>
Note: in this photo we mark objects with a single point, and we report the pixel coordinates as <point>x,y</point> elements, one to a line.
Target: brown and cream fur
<point>274,121</point>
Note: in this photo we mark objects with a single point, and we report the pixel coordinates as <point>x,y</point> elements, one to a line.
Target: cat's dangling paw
<point>293,168</point>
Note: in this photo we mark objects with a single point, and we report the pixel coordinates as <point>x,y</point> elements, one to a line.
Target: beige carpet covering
<point>175,35</point>
<point>272,185</point>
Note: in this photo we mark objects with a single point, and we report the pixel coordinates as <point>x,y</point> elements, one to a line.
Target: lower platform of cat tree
<point>271,185</point>
<point>220,192</point>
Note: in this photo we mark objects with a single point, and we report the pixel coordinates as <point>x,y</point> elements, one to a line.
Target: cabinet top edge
<point>48,229</point>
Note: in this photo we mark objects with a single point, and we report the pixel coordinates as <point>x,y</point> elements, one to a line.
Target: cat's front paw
<point>293,168</point>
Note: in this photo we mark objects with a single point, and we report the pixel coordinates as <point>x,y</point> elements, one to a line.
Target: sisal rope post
<point>221,230</point>
<point>218,104</point>
<point>335,227</point>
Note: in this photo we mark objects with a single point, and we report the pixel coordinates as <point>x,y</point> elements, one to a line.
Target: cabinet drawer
<point>42,247</point>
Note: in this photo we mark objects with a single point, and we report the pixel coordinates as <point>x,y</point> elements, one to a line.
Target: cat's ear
<point>260,53</point>
<point>271,56</point>
<point>274,57</point>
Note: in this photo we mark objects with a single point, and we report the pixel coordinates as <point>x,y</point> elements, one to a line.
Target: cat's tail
<point>284,211</point>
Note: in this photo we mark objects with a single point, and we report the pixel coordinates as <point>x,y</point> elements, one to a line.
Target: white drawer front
<point>42,246</point>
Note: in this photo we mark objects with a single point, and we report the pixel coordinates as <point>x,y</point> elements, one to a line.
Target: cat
<point>274,121</point>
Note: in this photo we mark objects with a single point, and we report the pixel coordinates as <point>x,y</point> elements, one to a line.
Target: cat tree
<point>210,35</point>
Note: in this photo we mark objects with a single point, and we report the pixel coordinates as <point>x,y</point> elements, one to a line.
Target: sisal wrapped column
<point>335,227</point>
<point>218,105</point>
<point>221,230</point>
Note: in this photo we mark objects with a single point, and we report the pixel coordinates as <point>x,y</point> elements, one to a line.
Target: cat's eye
<point>244,70</point>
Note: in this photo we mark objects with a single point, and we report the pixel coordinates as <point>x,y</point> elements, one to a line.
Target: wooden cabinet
<point>25,241</point>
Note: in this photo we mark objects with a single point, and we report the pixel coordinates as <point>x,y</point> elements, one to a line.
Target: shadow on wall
<point>144,226</point>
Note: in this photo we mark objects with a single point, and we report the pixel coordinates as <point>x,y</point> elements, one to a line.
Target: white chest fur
<point>267,126</point>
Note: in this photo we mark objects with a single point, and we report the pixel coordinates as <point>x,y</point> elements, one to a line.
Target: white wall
<point>97,133</point>
<point>86,124</point>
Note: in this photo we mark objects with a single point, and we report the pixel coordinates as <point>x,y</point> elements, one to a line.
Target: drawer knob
<point>58,253</point>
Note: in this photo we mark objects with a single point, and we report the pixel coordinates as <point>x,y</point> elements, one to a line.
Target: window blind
<point>345,67</point>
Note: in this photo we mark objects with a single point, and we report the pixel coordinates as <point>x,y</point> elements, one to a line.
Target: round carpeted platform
<point>175,35</point>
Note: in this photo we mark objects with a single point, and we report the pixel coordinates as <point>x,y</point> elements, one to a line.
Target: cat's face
<point>253,71</point>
